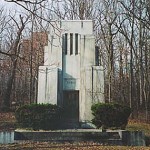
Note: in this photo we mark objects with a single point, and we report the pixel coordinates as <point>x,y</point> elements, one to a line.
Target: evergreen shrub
<point>39,116</point>
<point>110,115</point>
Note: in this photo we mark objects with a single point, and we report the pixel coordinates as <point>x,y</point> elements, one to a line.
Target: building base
<point>118,137</point>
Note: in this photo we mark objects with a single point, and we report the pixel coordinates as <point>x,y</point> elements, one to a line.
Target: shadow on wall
<point>65,82</point>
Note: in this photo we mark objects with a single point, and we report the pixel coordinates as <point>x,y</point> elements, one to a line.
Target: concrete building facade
<point>71,77</point>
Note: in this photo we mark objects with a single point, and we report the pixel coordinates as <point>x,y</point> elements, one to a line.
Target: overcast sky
<point>3,3</point>
<point>8,4</point>
<point>11,6</point>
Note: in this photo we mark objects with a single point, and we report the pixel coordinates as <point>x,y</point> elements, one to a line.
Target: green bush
<point>39,116</point>
<point>109,115</point>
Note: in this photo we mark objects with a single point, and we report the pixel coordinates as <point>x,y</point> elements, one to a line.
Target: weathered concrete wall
<point>47,90</point>
<point>87,60</point>
<point>53,52</point>
<point>82,27</point>
<point>92,79</point>
<point>98,84</point>
<point>71,72</point>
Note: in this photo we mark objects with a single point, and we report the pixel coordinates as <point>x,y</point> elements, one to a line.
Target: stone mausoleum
<point>71,76</point>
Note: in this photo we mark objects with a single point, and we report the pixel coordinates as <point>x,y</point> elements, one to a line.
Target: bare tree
<point>122,31</point>
<point>15,50</point>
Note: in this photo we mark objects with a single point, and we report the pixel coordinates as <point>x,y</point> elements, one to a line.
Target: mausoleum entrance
<point>71,107</point>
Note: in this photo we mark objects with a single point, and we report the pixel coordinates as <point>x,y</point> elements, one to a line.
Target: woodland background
<point>122,31</point>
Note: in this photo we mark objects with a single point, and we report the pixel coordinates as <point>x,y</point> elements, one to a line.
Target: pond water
<point>6,137</point>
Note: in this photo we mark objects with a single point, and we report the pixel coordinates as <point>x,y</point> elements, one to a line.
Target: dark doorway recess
<point>71,108</point>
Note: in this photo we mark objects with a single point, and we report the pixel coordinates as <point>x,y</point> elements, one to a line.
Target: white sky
<point>10,6</point>
<point>6,4</point>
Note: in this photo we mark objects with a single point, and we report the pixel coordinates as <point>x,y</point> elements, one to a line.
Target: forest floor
<point>66,146</point>
<point>8,123</point>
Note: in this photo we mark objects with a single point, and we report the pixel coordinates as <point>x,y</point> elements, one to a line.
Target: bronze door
<point>71,106</point>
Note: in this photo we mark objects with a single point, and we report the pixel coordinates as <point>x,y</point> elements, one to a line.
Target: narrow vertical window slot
<point>81,24</point>
<point>63,43</point>
<point>66,43</point>
<point>71,43</point>
<point>76,43</point>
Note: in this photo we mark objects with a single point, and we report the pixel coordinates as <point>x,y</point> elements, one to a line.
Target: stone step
<point>83,135</point>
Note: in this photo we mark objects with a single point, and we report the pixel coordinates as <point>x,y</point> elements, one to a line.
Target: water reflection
<point>6,137</point>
